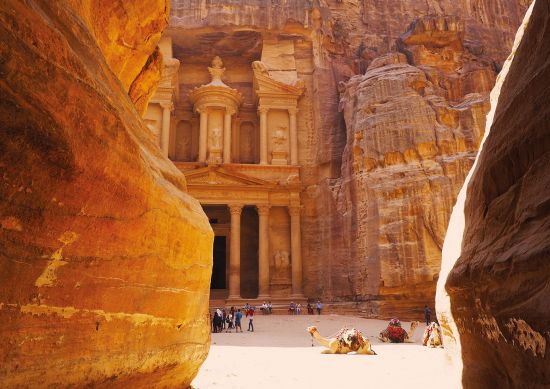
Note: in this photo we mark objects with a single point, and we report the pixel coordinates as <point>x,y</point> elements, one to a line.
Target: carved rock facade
<point>378,157</point>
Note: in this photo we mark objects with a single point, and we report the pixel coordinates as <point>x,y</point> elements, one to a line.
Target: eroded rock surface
<point>104,259</point>
<point>374,215</point>
<point>414,121</point>
<point>499,285</point>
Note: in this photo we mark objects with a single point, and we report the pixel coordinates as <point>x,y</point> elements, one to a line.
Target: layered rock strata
<point>374,216</point>
<point>497,248</point>
<point>105,260</point>
<point>414,121</point>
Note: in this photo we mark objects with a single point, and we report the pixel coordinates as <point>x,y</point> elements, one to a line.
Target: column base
<point>234,297</point>
<point>263,297</point>
<point>298,296</point>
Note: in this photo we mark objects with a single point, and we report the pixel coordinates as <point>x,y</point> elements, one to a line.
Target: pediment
<point>219,176</point>
<point>267,85</point>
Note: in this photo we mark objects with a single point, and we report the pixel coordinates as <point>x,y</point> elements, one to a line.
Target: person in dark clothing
<point>215,322</point>
<point>427,314</point>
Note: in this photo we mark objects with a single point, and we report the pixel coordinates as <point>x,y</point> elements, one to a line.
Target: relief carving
<point>281,265</point>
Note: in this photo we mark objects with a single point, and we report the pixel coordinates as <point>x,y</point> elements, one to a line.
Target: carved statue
<point>216,138</point>
<point>216,71</point>
<point>279,137</point>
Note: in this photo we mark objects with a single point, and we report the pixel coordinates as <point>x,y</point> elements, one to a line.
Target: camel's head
<point>311,329</point>
<point>414,324</point>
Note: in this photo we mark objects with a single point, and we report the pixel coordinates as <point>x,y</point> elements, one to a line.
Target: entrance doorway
<point>219,267</point>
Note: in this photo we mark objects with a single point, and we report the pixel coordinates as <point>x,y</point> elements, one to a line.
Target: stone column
<point>235,252</point>
<point>293,136</point>
<point>263,265</point>
<point>227,136</point>
<point>165,132</point>
<point>203,134</point>
<point>296,250</point>
<point>263,135</point>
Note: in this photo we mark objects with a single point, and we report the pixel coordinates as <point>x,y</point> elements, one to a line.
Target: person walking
<point>427,314</point>
<point>238,317</point>
<point>319,307</point>
<point>250,315</point>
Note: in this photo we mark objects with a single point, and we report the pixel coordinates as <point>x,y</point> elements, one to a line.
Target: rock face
<point>104,259</point>
<point>498,286</point>
<point>414,121</point>
<point>382,153</point>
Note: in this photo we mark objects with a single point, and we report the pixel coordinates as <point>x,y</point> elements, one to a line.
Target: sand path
<point>279,355</point>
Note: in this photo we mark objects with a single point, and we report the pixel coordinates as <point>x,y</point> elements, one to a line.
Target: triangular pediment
<point>267,85</point>
<point>215,175</point>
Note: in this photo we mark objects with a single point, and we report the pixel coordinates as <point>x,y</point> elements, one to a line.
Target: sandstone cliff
<point>414,122</point>
<point>408,132</point>
<point>104,259</point>
<point>496,251</point>
<point>382,154</point>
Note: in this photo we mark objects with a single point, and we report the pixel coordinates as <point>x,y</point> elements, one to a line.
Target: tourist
<point>229,321</point>
<point>291,308</point>
<point>427,314</point>
<point>299,309</point>
<point>263,308</point>
<point>216,321</point>
<point>246,307</point>
<point>238,317</point>
<point>224,318</point>
<point>270,307</point>
<point>319,307</point>
<point>250,315</point>
<point>309,308</point>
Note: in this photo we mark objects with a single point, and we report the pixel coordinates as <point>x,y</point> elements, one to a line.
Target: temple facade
<point>232,129</point>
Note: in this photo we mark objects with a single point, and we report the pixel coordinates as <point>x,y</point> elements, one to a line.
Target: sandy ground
<point>279,355</point>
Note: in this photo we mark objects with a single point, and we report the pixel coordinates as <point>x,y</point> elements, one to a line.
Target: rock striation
<point>396,92</point>
<point>414,121</point>
<point>105,260</point>
<point>496,251</point>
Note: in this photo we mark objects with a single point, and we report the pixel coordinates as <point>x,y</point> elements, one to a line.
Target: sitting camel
<point>346,341</point>
<point>394,333</point>
<point>432,335</point>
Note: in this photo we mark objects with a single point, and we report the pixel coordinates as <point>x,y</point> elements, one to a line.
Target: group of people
<point>296,309</point>
<point>223,319</point>
<point>226,320</point>
<point>266,308</point>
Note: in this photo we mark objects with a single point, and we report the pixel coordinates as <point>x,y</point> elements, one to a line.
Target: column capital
<point>294,210</point>
<point>235,209</point>
<point>167,105</point>
<point>230,111</point>
<point>263,110</point>
<point>292,110</point>
<point>263,209</point>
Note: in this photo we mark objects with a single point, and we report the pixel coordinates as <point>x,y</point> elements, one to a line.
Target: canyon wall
<point>105,261</point>
<point>494,301</point>
<point>396,95</point>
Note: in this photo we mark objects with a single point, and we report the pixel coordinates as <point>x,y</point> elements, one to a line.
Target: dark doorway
<point>219,266</point>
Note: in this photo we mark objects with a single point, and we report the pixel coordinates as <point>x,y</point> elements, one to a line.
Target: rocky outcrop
<point>375,215</point>
<point>414,122</point>
<point>104,259</point>
<point>496,251</point>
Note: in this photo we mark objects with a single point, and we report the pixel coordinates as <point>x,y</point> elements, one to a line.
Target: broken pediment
<point>265,85</point>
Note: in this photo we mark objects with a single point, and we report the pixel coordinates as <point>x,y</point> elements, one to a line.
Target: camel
<point>347,341</point>
<point>432,336</point>
<point>394,333</point>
